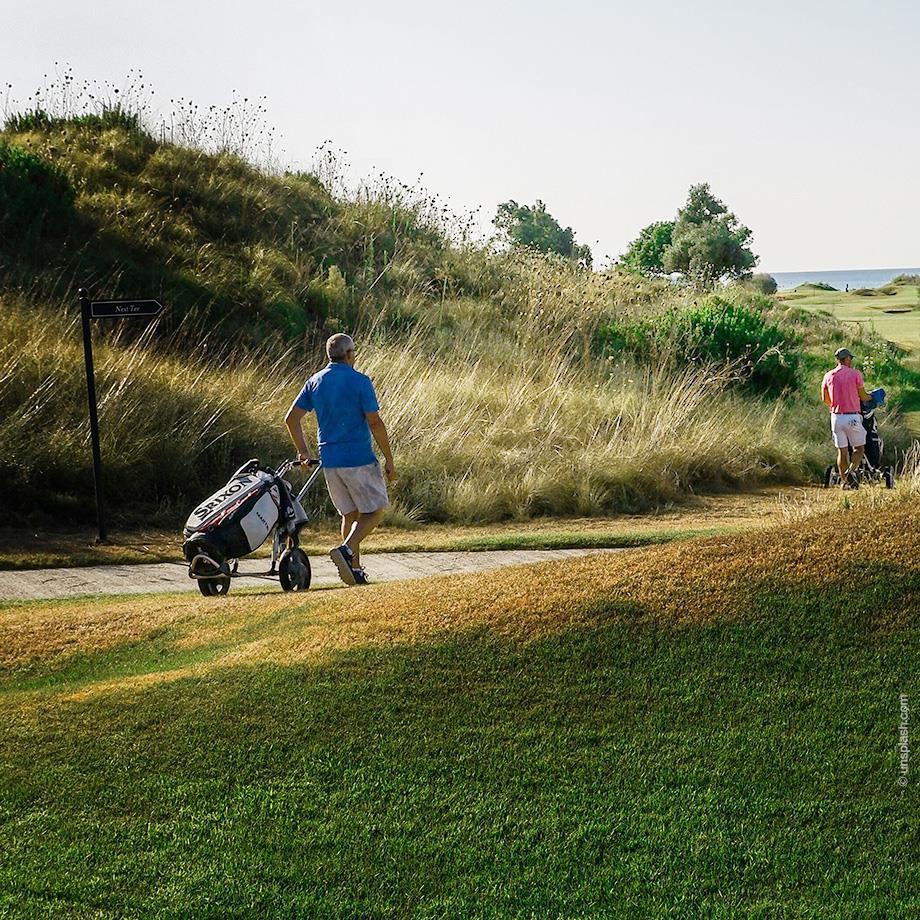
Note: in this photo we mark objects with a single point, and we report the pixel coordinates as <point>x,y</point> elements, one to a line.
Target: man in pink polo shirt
<point>842,389</point>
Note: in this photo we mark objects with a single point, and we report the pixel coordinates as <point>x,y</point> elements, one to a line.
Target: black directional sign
<point>104,309</point>
<point>118,309</point>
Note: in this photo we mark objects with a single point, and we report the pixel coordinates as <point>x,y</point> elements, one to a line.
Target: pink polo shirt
<point>842,384</point>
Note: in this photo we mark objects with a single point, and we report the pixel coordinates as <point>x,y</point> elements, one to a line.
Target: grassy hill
<point>231,248</point>
<point>704,729</point>
<point>514,385</point>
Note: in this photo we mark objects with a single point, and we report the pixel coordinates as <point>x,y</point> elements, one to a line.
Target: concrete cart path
<point>172,577</point>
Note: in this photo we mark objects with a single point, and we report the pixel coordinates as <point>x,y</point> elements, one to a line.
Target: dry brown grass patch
<point>686,584</point>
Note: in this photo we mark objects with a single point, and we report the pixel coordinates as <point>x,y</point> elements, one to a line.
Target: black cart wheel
<point>294,570</point>
<point>214,587</point>
<point>888,474</point>
<point>831,476</point>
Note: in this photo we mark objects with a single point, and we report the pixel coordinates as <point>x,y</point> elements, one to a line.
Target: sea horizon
<point>841,279</point>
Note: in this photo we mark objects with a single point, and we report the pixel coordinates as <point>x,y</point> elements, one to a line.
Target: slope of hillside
<point>702,729</point>
<point>227,245</point>
<point>515,385</point>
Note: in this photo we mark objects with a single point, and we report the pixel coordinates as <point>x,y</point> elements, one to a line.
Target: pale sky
<point>801,114</point>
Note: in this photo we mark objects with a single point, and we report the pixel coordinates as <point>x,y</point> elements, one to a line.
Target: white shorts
<point>357,488</point>
<point>848,430</point>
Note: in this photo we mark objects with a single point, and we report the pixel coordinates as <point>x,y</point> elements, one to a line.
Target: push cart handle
<point>290,464</point>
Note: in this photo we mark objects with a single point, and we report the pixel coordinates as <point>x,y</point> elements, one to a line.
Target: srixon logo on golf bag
<point>217,500</point>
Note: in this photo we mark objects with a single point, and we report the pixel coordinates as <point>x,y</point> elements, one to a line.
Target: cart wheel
<point>831,475</point>
<point>294,570</point>
<point>214,587</point>
<point>888,474</point>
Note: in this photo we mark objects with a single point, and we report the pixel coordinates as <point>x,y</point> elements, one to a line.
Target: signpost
<point>105,309</point>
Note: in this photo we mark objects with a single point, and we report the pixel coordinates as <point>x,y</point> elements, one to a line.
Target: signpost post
<point>104,309</point>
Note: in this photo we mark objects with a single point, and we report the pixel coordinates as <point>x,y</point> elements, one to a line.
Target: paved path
<point>169,577</point>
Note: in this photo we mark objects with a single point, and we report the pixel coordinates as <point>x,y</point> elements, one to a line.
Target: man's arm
<point>825,393</point>
<point>379,431</point>
<point>292,420</point>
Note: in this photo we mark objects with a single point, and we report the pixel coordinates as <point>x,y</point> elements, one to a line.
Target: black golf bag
<point>874,443</point>
<point>238,519</point>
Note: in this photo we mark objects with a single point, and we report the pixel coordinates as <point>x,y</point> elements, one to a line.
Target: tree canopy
<point>535,228</point>
<point>705,242</point>
<point>646,252</point>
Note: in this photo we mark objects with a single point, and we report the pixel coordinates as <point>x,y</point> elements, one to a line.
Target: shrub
<point>761,354</point>
<point>629,335</point>
<point>817,285</point>
<point>34,195</point>
<point>762,283</point>
<point>720,331</point>
<point>906,279</point>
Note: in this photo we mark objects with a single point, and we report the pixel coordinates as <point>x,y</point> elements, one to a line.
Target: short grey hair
<point>338,345</point>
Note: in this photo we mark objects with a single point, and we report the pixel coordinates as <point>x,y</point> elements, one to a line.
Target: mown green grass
<point>745,766</point>
<point>563,540</point>
<point>902,327</point>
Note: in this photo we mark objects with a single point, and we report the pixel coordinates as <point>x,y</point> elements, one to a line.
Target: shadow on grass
<point>744,767</point>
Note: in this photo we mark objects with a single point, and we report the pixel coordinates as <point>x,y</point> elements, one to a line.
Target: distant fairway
<point>895,317</point>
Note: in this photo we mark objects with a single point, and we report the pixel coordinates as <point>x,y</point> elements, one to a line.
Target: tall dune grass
<point>167,424</point>
<point>485,435</point>
<point>502,421</point>
<point>486,362</point>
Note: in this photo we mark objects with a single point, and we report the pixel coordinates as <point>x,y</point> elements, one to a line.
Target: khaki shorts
<point>848,430</point>
<point>357,488</point>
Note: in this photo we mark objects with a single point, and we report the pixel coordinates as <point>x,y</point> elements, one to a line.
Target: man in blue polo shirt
<point>346,415</point>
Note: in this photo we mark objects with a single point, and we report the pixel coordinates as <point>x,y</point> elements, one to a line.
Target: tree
<point>708,242</point>
<point>646,253</point>
<point>535,228</point>
<point>763,284</point>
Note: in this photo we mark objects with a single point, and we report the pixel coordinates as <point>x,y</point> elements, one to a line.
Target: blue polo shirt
<point>340,396</point>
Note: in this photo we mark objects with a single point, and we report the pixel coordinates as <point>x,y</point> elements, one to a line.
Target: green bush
<point>718,330</point>
<point>35,196</point>
<point>816,285</point>
<point>618,335</point>
<point>762,283</point>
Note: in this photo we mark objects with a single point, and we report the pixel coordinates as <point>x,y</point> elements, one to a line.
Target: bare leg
<point>857,459</point>
<point>843,461</point>
<point>348,521</point>
<point>361,527</point>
